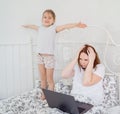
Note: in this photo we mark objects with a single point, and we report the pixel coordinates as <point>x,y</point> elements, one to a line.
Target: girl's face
<point>84,60</point>
<point>47,19</point>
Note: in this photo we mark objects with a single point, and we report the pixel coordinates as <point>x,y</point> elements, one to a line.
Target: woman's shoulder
<point>100,70</point>
<point>100,65</point>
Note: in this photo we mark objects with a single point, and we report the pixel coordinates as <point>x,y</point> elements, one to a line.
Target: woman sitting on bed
<point>87,73</point>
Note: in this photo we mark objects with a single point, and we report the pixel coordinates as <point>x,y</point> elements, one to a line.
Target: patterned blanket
<point>30,103</point>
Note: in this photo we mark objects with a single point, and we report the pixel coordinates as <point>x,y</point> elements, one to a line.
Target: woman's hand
<point>91,54</point>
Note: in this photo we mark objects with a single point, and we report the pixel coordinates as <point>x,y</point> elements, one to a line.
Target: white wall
<point>16,74</point>
<point>102,13</point>
<point>14,13</point>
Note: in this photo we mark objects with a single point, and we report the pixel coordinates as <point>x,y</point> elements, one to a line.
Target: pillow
<point>110,86</point>
<point>63,87</point>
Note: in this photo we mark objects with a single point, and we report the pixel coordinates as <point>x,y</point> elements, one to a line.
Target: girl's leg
<point>43,77</point>
<point>50,79</point>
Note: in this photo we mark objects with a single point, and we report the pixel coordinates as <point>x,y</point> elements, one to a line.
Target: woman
<point>87,73</point>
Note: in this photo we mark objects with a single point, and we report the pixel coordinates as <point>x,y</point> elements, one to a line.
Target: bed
<point>30,103</point>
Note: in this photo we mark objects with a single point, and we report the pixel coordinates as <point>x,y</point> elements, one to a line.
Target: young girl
<point>87,73</point>
<point>45,46</point>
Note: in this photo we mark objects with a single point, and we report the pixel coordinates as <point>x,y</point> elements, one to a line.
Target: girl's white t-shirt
<point>46,39</point>
<point>95,92</point>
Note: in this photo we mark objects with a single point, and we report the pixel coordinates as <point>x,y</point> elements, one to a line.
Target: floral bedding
<point>30,103</point>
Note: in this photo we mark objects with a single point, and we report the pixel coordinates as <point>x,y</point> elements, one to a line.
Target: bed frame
<point>67,44</point>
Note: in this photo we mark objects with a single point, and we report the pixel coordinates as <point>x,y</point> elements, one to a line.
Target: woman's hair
<point>51,12</point>
<point>85,50</point>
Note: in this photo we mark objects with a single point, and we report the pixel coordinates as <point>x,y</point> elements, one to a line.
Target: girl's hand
<point>91,54</point>
<point>81,25</point>
<point>25,26</point>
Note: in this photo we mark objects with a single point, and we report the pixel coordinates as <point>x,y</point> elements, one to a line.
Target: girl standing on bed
<point>45,46</point>
<point>87,73</point>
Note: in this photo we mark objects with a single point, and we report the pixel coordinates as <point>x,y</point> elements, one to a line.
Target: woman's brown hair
<point>85,50</point>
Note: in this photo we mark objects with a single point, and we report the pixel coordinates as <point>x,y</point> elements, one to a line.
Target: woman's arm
<point>34,27</point>
<point>89,77</point>
<point>69,69</point>
<point>69,26</point>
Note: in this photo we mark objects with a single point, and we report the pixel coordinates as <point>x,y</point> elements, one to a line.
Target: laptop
<point>66,103</point>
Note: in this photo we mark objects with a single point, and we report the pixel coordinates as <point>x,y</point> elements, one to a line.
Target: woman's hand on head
<point>91,54</point>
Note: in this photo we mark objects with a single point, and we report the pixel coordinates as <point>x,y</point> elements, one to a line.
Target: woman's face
<point>47,19</point>
<point>84,60</point>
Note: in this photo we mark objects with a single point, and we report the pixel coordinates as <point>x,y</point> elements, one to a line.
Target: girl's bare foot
<point>42,96</point>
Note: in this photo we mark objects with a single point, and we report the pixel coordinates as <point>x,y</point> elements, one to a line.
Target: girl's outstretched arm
<point>69,26</point>
<point>34,27</point>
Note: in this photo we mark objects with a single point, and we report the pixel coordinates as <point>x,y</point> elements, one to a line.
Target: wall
<point>15,13</point>
<point>16,74</point>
